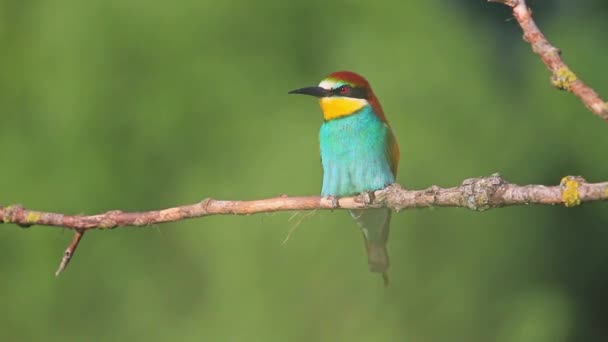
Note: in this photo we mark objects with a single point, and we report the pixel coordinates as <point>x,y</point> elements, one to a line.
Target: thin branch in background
<point>562,76</point>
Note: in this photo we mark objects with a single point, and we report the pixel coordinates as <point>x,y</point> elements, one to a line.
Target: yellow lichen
<point>563,78</point>
<point>32,217</point>
<point>7,214</point>
<point>570,195</point>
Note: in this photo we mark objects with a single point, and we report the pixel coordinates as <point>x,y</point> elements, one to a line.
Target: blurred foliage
<point>137,105</point>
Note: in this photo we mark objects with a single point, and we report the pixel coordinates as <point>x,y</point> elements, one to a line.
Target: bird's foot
<point>335,204</point>
<point>368,197</point>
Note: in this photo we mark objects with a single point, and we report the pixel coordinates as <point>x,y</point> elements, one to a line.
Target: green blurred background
<point>138,105</point>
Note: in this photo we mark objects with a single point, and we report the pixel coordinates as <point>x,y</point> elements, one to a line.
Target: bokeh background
<point>137,105</point>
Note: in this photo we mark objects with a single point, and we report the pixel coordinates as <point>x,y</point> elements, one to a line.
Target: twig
<point>475,193</point>
<point>69,252</point>
<point>563,77</point>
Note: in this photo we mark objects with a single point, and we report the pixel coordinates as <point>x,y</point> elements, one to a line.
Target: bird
<point>359,154</point>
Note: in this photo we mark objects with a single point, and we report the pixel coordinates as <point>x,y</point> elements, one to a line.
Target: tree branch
<point>475,193</point>
<point>563,77</point>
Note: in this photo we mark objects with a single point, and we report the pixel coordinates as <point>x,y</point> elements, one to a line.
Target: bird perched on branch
<point>359,153</point>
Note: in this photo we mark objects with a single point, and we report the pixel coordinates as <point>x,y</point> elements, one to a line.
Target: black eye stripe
<point>343,90</point>
<point>357,93</point>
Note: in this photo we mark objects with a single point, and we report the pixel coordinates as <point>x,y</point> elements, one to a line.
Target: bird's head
<point>343,93</point>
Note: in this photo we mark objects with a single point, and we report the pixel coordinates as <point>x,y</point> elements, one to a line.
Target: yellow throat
<point>336,107</point>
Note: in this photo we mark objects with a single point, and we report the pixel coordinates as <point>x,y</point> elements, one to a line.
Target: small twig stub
<point>69,252</point>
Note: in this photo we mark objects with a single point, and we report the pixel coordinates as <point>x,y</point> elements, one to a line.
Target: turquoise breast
<point>353,154</point>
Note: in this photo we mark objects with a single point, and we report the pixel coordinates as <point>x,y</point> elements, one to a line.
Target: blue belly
<point>353,154</point>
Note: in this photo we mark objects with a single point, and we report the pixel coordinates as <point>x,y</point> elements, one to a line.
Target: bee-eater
<point>359,153</point>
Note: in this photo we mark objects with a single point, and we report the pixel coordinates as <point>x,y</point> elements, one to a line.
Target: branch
<point>563,77</point>
<point>475,193</point>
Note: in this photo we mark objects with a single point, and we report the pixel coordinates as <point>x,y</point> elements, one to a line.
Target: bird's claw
<point>368,197</point>
<point>335,204</point>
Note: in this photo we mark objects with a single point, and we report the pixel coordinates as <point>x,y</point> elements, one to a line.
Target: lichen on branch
<point>562,76</point>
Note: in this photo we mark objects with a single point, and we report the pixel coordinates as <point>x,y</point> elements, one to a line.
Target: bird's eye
<point>343,90</point>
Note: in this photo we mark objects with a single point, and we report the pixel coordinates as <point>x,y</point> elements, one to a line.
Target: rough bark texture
<point>475,193</point>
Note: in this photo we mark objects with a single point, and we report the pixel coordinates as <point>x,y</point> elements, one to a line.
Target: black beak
<point>313,91</point>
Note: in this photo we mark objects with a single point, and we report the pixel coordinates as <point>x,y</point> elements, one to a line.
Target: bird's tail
<point>374,224</point>
<point>377,258</point>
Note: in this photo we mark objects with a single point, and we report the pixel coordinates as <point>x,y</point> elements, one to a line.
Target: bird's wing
<point>392,151</point>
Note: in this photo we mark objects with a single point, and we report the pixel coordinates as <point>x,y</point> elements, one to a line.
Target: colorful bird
<point>359,153</point>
